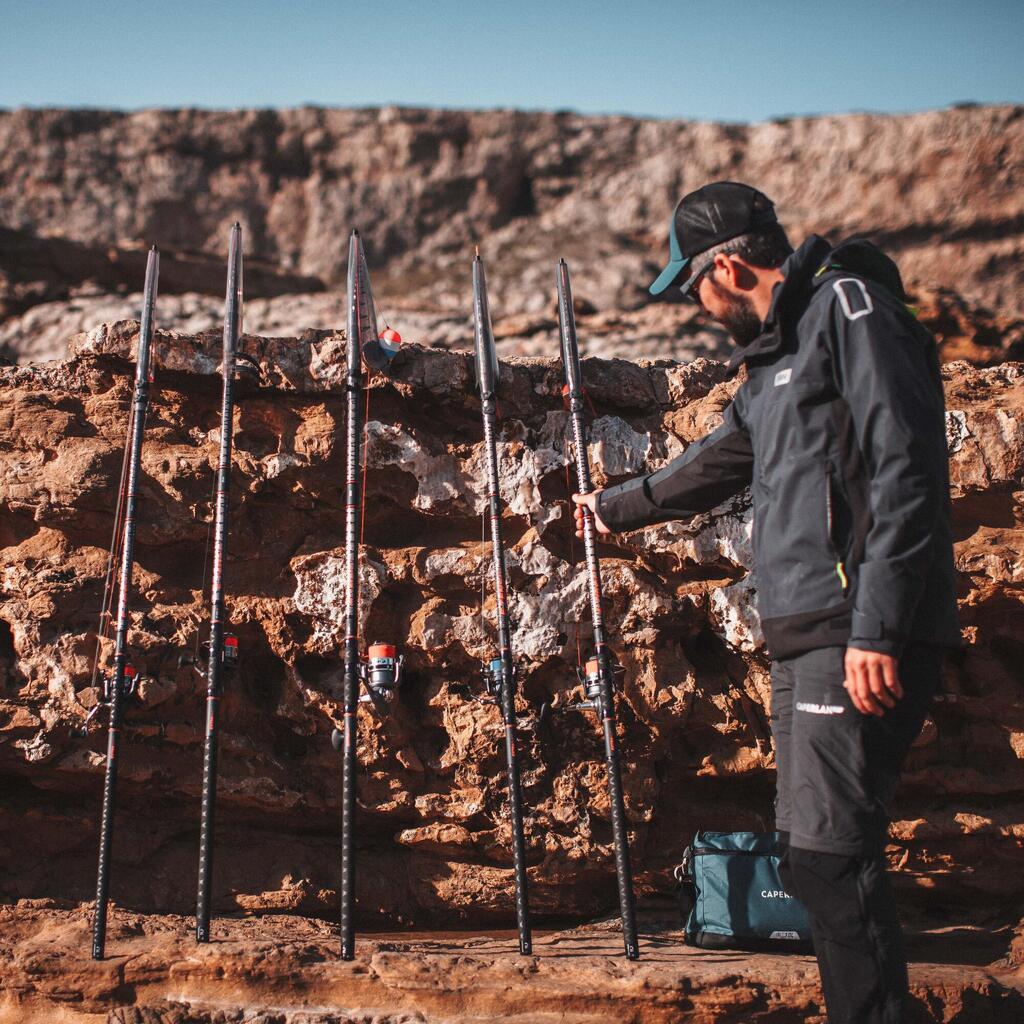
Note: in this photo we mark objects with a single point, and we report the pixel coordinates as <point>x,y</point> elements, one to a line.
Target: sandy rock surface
<point>665,331</point>
<point>286,970</point>
<point>653,332</point>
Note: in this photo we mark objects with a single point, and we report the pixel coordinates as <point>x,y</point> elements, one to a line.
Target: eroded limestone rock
<point>433,835</point>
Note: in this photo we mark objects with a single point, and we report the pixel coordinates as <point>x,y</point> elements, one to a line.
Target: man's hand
<point>590,501</point>
<point>872,681</point>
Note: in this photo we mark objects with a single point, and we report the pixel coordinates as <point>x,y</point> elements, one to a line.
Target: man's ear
<point>726,268</point>
<point>737,272</point>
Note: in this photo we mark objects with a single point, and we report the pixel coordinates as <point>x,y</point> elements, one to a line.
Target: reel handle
<point>132,677</point>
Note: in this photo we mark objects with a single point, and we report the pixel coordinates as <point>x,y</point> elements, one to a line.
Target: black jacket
<point>840,432</point>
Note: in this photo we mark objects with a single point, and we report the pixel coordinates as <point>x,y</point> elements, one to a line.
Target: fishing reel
<point>228,657</point>
<point>491,672</point>
<point>492,675</point>
<point>381,673</point>
<point>129,688</point>
<point>590,678</point>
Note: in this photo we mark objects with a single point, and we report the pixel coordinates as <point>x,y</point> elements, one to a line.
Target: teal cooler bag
<point>732,898</point>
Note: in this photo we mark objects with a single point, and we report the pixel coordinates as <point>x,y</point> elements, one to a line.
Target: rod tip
<point>153,248</point>
<point>236,226</point>
<point>476,250</point>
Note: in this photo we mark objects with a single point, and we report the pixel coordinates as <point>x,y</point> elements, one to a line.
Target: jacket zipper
<point>840,568</point>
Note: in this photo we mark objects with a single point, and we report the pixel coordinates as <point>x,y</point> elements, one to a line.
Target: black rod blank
<point>215,664</point>
<point>127,498</point>
<point>606,679</point>
<point>361,329</point>
<point>487,381</point>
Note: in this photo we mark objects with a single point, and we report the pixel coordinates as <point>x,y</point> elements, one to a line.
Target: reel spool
<point>491,673</point>
<point>229,651</point>
<point>228,656</point>
<point>381,672</point>
<point>131,682</point>
<point>590,677</point>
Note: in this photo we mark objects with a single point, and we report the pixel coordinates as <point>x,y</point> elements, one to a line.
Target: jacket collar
<point>798,272</point>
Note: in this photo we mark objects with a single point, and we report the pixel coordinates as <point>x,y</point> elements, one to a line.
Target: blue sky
<point>711,60</point>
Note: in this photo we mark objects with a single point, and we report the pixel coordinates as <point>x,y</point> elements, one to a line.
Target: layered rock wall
<point>433,837</point>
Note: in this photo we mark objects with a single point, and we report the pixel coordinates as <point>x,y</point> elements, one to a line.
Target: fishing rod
<point>382,669</point>
<point>599,674</point>
<point>121,683</point>
<point>499,674</point>
<point>222,649</point>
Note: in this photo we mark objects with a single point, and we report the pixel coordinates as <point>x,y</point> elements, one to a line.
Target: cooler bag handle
<point>687,887</point>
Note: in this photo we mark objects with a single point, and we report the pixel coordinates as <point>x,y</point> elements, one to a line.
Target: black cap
<point>706,218</point>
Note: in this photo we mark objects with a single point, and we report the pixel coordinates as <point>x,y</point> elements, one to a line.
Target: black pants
<point>837,772</point>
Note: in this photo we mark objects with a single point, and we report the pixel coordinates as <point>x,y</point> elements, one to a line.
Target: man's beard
<point>738,317</point>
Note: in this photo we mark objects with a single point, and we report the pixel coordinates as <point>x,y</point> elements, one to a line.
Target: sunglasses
<point>691,289</point>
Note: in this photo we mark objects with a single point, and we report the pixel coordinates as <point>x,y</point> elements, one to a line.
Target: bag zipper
<point>745,853</point>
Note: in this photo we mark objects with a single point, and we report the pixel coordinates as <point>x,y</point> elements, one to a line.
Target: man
<point>839,432</point>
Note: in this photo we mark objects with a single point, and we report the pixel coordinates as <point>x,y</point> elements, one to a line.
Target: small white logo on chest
<point>783,376</point>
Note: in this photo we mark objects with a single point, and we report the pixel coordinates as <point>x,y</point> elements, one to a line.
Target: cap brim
<point>670,275</point>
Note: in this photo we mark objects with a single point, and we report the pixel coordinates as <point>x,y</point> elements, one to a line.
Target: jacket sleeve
<point>709,471</point>
<point>888,373</point>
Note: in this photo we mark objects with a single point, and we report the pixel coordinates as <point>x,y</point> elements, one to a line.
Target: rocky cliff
<point>433,836</point>
<point>941,191</point>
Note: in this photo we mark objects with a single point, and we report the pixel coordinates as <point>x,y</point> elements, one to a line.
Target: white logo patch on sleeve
<point>853,297</point>
<point>783,377</point>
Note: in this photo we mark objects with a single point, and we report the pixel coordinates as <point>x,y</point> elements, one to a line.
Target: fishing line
<point>114,556</point>
<point>206,556</point>
<point>483,576</point>
<point>364,462</point>
<point>572,554</point>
